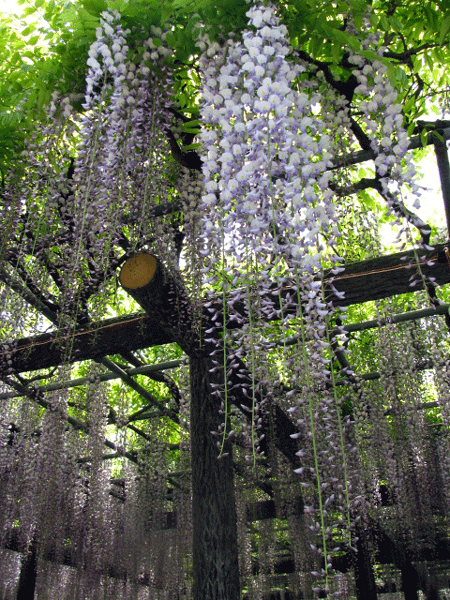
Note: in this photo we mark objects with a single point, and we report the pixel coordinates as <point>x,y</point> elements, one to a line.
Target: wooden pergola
<point>160,323</point>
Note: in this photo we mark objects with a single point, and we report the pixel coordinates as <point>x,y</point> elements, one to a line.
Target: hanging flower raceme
<point>266,200</point>
<point>265,160</point>
<point>266,154</point>
<point>383,122</point>
<point>265,208</point>
<point>125,108</point>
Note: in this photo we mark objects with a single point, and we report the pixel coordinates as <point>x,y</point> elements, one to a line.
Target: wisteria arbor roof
<point>218,380</point>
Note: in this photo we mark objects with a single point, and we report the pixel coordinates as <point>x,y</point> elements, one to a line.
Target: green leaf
<point>371,55</point>
<point>94,7</point>
<point>445,28</point>
<point>391,71</point>
<point>191,147</point>
<point>409,104</point>
<point>384,22</point>
<point>362,173</point>
<point>423,137</point>
<point>429,61</point>
<point>397,76</point>
<point>28,30</point>
<point>336,52</point>
<point>342,38</point>
<point>29,10</point>
<point>315,45</point>
<point>359,21</point>
<point>374,20</point>
<point>193,123</point>
<point>396,23</point>
<point>166,12</point>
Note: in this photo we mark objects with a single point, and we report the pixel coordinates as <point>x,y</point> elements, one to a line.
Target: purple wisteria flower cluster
<point>266,206</point>
<point>383,122</point>
<point>388,136</point>
<point>124,107</point>
<point>265,154</point>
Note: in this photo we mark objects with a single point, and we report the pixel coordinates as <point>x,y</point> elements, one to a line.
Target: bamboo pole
<point>62,385</point>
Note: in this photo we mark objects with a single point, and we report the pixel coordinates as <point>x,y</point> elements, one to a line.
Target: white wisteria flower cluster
<point>125,112</point>
<point>265,153</point>
<point>383,120</point>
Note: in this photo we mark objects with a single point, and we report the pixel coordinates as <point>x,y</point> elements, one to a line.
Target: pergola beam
<point>411,315</point>
<point>152,401</point>
<point>93,342</point>
<point>363,281</point>
<point>415,143</point>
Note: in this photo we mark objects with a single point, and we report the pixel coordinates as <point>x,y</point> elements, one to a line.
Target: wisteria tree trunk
<point>215,547</point>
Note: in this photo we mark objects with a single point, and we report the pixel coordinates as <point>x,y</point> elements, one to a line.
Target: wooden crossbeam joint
<point>163,297</point>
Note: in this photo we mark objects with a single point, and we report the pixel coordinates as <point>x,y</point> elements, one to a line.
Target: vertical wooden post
<point>440,149</point>
<point>410,584</point>
<point>27,576</point>
<point>215,547</point>
<point>366,588</point>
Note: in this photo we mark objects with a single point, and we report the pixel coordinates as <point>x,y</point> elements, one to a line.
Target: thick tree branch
<point>360,135</point>
<point>365,155</point>
<point>344,88</point>
<point>394,203</point>
<point>47,308</point>
<point>190,160</point>
<point>16,264</point>
<point>406,54</point>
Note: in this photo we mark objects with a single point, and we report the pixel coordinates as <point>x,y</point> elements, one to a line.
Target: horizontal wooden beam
<point>372,279</point>
<point>390,275</point>
<point>97,340</point>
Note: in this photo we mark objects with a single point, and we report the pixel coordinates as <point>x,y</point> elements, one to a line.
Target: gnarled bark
<point>215,548</point>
